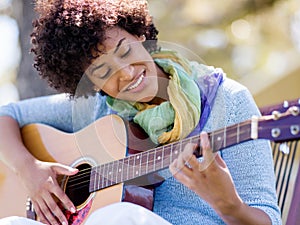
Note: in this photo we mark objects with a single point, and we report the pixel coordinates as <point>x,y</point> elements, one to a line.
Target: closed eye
<point>126,53</point>
<point>101,71</point>
<point>106,74</point>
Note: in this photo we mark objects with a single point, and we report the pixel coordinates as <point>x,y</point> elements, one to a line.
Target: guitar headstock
<point>281,107</point>
<point>280,126</point>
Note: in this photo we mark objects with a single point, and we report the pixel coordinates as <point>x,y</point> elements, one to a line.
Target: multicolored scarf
<point>171,120</point>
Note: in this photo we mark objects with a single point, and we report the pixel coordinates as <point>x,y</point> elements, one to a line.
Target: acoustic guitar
<point>99,151</point>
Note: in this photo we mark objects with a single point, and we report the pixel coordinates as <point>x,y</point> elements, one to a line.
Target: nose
<point>126,72</point>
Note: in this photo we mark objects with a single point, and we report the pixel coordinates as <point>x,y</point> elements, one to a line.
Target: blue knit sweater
<point>250,163</point>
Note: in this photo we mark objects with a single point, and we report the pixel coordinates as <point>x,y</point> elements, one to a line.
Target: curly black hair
<point>66,34</point>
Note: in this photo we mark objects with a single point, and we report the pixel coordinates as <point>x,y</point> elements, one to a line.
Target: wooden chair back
<point>286,158</point>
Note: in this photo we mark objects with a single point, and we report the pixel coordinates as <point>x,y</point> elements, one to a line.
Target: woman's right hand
<point>39,179</point>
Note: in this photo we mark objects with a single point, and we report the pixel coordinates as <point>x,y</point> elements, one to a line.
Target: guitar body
<point>101,142</point>
<point>99,152</point>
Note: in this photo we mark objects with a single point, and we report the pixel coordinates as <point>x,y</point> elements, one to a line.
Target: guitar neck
<point>159,158</point>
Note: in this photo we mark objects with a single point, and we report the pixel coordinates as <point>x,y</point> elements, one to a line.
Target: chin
<point>147,99</point>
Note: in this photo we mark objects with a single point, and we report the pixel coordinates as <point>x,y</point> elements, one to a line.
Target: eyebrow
<point>118,45</point>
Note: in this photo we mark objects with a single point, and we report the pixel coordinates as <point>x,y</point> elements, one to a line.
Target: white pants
<point>118,213</point>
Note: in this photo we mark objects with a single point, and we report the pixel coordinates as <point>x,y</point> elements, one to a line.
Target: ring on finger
<point>188,165</point>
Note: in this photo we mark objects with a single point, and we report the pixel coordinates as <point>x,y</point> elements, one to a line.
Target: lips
<point>137,82</point>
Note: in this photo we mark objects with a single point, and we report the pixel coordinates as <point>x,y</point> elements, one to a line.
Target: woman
<point>104,54</point>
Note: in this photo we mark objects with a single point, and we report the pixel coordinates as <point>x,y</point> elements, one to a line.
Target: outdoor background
<point>256,42</point>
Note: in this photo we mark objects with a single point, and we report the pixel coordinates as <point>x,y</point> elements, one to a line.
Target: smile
<point>137,83</point>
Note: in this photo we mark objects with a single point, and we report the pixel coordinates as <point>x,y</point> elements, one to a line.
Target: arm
<point>239,186</point>
<point>39,178</point>
<point>56,110</point>
<point>212,181</point>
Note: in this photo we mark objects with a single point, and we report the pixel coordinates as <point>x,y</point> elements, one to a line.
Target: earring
<point>142,38</point>
<point>97,89</point>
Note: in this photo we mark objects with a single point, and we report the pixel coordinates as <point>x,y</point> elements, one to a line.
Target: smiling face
<point>126,70</point>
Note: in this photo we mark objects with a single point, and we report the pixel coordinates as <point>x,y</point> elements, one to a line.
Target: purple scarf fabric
<point>208,85</point>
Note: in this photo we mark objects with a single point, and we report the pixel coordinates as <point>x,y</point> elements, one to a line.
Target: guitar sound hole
<point>77,186</point>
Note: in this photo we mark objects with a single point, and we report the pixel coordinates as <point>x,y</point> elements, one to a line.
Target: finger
<point>46,213</point>
<point>39,213</point>
<point>194,163</point>
<point>63,169</point>
<point>185,156</point>
<point>220,161</point>
<point>178,174</point>
<point>208,155</point>
<point>173,167</point>
<point>61,195</point>
<point>58,192</point>
<point>55,210</point>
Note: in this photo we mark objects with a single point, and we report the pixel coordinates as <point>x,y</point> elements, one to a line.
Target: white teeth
<point>136,83</point>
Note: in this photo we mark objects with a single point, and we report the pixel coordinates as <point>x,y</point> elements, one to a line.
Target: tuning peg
<point>286,104</point>
<point>294,110</point>
<point>276,115</point>
<point>295,129</point>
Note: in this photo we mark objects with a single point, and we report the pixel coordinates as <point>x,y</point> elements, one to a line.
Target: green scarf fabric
<point>171,120</point>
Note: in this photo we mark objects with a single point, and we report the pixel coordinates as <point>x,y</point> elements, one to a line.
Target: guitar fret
<point>104,175</point>
<point>117,180</point>
<point>213,140</point>
<point>93,179</point>
<point>133,167</point>
<point>122,171</point>
<point>107,174</point>
<point>125,169</point>
<point>113,172</point>
<point>140,164</point>
<point>161,157</point>
<point>169,153</point>
<point>137,165</point>
<point>98,173</point>
<point>158,159</point>
<point>147,163</point>
<point>144,163</point>
<point>152,157</point>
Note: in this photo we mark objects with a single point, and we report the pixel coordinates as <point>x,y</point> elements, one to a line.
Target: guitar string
<point>132,156</point>
<point>73,180</point>
<point>83,175</point>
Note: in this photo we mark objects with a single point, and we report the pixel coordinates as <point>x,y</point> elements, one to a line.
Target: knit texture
<point>250,163</point>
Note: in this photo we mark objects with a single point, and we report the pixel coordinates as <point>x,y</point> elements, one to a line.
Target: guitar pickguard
<point>80,216</point>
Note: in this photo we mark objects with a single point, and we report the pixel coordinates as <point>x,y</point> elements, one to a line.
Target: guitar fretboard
<point>159,158</point>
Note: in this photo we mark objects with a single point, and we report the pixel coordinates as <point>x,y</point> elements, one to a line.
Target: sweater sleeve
<point>250,163</point>
<point>58,111</point>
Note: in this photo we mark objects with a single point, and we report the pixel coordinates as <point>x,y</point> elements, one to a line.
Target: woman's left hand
<point>209,178</point>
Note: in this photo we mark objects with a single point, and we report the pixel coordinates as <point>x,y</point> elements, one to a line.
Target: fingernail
<point>64,223</point>
<point>73,210</point>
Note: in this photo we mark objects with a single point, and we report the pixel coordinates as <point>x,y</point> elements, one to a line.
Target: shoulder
<point>233,104</point>
<point>236,95</point>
